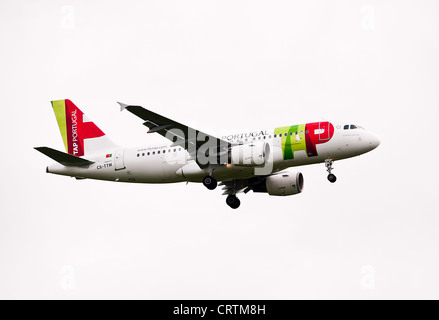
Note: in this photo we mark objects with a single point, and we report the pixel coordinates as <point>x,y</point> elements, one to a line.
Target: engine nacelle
<point>251,155</point>
<point>285,184</point>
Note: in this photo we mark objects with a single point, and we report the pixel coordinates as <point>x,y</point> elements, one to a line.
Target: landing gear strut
<point>233,202</point>
<point>328,163</point>
<point>210,182</point>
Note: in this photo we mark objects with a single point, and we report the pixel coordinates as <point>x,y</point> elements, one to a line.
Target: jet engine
<point>285,184</point>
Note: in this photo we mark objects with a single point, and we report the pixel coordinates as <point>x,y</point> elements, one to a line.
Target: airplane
<point>248,161</point>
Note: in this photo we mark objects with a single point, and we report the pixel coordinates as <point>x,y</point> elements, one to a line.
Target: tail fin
<point>79,134</point>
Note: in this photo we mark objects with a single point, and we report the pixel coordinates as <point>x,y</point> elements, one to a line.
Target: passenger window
<point>175,150</point>
<point>285,134</point>
<point>143,154</point>
<point>164,151</point>
<point>148,153</point>
<point>158,152</point>
<point>138,155</point>
<point>275,135</point>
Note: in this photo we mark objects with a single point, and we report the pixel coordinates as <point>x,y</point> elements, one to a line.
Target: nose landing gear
<point>331,177</point>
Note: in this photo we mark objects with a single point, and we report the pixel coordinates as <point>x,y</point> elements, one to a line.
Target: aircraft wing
<point>179,134</point>
<point>241,185</point>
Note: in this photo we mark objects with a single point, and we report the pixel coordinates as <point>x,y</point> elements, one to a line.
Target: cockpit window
<point>352,127</point>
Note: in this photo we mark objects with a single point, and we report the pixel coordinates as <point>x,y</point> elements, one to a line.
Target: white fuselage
<point>167,164</point>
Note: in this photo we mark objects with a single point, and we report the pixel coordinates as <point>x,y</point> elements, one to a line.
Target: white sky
<point>219,65</point>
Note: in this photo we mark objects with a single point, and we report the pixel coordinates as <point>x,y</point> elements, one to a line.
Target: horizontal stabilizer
<point>65,159</point>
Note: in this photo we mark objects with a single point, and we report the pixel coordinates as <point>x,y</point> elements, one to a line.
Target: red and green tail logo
<point>74,126</point>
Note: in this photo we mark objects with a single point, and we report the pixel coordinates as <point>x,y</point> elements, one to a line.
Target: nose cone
<point>374,141</point>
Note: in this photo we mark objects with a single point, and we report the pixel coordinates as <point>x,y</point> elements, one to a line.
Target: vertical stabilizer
<point>80,135</point>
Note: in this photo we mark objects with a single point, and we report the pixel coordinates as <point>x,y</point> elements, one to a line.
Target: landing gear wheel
<point>332,178</point>
<point>233,202</point>
<point>210,182</point>
<point>328,163</point>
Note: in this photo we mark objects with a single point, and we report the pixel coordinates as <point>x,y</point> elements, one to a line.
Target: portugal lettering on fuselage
<point>247,135</point>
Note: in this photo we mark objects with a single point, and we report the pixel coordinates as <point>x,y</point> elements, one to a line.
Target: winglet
<point>123,106</point>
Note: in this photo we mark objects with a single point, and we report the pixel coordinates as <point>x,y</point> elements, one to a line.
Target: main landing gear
<point>233,201</point>
<point>328,163</point>
<point>210,182</point>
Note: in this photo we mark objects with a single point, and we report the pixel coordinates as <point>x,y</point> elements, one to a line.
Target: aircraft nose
<point>374,141</point>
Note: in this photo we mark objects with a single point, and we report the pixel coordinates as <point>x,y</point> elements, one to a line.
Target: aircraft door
<point>119,163</point>
<point>324,132</point>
